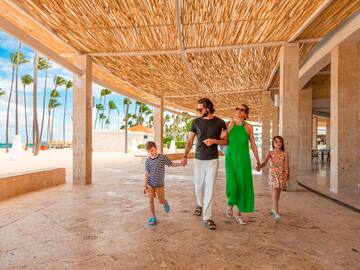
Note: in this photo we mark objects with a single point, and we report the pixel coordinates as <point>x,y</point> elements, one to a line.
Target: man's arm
<point>189,144</point>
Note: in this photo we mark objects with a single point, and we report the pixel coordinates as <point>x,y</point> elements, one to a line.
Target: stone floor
<point>319,180</point>
<point>103,226</point>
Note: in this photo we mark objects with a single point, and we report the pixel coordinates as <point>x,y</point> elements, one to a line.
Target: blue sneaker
<point>152,221</point>
<point>166,207</point>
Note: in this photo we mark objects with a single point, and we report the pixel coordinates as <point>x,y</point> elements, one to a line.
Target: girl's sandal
<point>210,224</point>
<point>229,211</point>
<point>198,211</point>
<point>152,221</point>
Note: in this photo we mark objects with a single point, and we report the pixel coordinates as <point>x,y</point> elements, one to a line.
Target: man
<point>207,129</point>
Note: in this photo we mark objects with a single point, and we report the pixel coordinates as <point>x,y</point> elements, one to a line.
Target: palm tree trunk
<point>126,127</point>
<point>102,120</point>
<point>17,92</point>
<point>26,129</point>
<point>97,114</point>
<point>36,139</point>
<point>109,117</point>
<point>48,127</point>
<point>52,126</point>
<point>8,111</point>
<point>44,104</point>
<point>66,90</point>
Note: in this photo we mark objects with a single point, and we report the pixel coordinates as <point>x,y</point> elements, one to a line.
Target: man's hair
<point>149,145</point>
<point>207,104</point>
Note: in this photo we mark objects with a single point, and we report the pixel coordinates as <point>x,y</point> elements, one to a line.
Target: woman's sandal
<point>240,220</point>
<point>198,211</point>
<point>210,224</point>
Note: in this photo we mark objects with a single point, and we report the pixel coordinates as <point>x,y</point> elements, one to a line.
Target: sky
<point>9,44</point>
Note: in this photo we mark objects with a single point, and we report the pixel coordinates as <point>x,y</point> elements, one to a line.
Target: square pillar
<point>82,122</point>
<point>345,117</point>
<point>275,121</point>
<point>265,123</point>
<point>328,133</point>
<point>290,107</point>
<point>159,125</point>
<point>305,128</point>
<point>314,132</point>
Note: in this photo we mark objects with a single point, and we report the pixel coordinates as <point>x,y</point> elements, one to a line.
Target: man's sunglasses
<point>240,109</point>
<point>200,110</point>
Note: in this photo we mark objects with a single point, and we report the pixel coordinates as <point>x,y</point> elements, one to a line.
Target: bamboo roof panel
<point>337,12</point>
<point>227,22</point>
<point>156,75</point>
<point>236,69</point>
<point>97,25</point>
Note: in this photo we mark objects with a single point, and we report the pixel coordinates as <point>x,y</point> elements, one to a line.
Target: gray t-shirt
<point>156,169</point>
<point>207,129</point>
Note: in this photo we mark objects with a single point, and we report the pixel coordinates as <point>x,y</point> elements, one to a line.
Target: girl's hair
<point>282,142</point>
<point>207,104</point>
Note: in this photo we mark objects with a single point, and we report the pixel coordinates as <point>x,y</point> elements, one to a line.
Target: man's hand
<point>209,142</point>
<point>223,134</point>
<point>183,161</point>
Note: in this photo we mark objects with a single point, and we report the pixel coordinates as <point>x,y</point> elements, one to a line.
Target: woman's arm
<point>249,129</point>
<point>263,164</point>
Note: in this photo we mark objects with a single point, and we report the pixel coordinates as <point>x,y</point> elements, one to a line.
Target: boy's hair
<point>207,104</point>
<point>149,145</point>
<point>282,142</point>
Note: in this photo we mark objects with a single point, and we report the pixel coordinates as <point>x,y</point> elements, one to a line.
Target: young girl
<point>279,172</point>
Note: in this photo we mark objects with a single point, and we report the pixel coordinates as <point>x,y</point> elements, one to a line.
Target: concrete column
<point>305,127</point>
<point>345,117</point>
<point>328,133</point>
<point>265,123</point>
<point>314,132</point>
<point>82,122</point>
<point>159,125</point>
<point>289,107</point>
<point>275,121</point>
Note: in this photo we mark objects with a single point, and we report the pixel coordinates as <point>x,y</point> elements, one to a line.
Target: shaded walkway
<point>103,226</point>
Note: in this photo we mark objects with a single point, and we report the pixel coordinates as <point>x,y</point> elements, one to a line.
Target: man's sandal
<point>198,211</point>
<point>210,224</point>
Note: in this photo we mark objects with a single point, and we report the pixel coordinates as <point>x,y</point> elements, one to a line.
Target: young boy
<point>154,179</point>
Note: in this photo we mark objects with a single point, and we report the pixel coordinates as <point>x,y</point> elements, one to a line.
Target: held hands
<point>258,167</point>
<point>183,161</point>
<point>223,134</point>
<point>209,142</point>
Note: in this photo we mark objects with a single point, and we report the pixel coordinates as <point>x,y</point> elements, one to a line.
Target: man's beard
<point>205,114</point>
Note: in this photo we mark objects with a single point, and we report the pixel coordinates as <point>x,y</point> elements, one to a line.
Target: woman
<point>239,183</point>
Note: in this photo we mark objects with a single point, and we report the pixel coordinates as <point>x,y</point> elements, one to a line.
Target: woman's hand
<point>209,142</point>
<point>145,189</point>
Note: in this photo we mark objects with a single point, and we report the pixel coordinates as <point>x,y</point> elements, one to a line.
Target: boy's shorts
<point>156,191</point>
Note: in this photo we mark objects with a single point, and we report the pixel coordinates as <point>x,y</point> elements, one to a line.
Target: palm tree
<point>58,81</point>
<point>26,80</point>
<point>19,59</point>
<point>52,105</point>
<point>43,64</point>
<point>68,85</point>
<point>104,92</point>
<point>13,60</point>
<point>112,106</point>
<point>2,92</point>
<point>126,103</point>
<point>36,138</point>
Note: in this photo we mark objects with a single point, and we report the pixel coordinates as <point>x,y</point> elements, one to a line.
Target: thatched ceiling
<point>181,50</point>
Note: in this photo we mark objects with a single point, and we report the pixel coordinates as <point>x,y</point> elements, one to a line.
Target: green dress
<point>239,183</point>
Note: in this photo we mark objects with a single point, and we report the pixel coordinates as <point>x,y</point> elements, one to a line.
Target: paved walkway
<point>103,226</point>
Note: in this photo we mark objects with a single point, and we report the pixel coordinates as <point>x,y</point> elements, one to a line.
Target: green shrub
<point>141,146</point>
<point>180,144</point>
